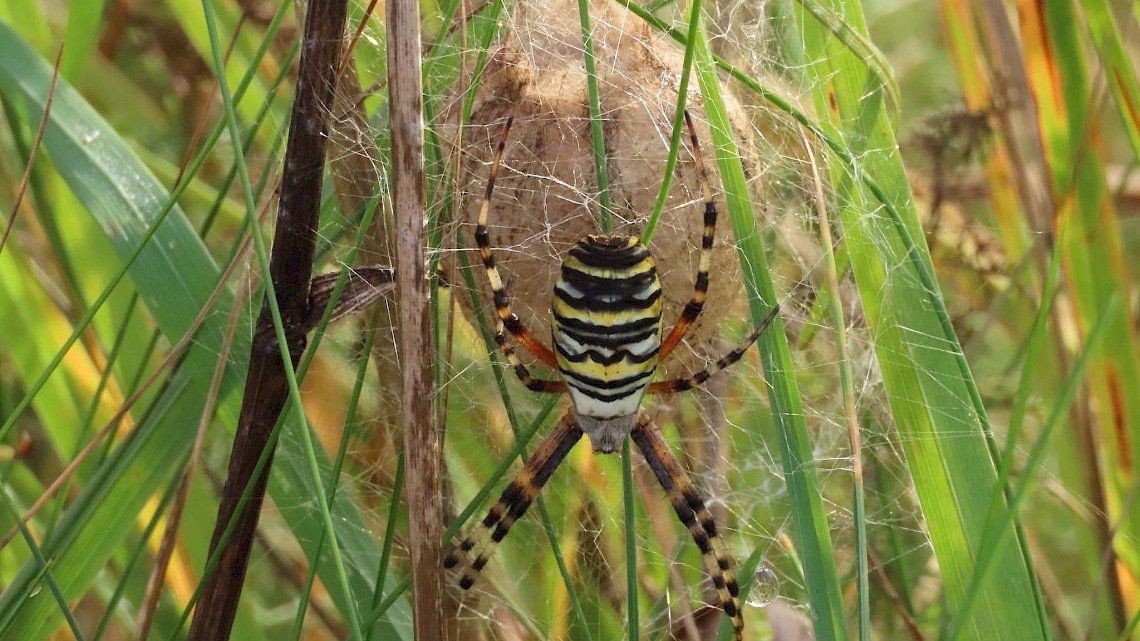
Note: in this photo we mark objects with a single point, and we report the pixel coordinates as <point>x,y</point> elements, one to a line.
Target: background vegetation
<point>936,441</point>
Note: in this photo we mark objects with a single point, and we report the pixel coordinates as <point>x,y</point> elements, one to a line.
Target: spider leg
<point>514,501</point>
<point>695,380</point>
<point>693,514</point>
<point>701,287</point>
<point>508,320</point>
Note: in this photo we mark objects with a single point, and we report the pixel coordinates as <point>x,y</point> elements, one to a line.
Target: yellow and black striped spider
<point>607,336</point>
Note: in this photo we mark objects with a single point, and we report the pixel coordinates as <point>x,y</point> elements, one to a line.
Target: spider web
<point>484,63</point>
<point>546,198</point>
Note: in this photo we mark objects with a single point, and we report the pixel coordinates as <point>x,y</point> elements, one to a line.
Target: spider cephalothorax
<point>608,342</point>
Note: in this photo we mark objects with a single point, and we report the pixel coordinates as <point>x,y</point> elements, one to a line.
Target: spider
<point>607,337</point>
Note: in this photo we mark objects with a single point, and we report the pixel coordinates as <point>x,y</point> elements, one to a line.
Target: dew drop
<point>765,587</point>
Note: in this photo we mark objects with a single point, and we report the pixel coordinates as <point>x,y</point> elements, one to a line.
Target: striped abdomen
<point>607,324</point>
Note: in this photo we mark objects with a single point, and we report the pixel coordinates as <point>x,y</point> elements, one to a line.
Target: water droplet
<point>765,587</point>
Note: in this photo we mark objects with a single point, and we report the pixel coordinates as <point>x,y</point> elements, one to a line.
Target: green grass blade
<point>991,545</point>
<point>811,530</point>
<point>1096,264</point>
<point>52,397</point>
<point>82,37</point>
<point>242,46</point>
<point>389,538</point>
<point>834,306</point>
<point>32,23</point>
<point>370,207</point>
<point>1118,68</point>
<point>601,167</point>
<point>114,186</point>
<point>861,48</point>
<point>314,468</point>
<point>43,567</point>
<point>933,399</point>
<point>631,583</point>
<point>678,125</point>
<point>175,276</point>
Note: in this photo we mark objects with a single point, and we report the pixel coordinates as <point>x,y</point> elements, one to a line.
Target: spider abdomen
<point>607,324</point>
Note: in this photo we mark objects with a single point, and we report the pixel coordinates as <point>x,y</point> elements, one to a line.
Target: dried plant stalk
<point>422,444</point>
<point>291,267</point>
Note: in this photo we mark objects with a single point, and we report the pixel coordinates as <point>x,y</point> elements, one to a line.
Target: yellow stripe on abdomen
<point>607,324</point>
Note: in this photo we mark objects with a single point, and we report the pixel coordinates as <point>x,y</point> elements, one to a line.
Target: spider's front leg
<point>514,501</point>
<point>701,287</point>
<point>693,513</point>
<point>508,320</point>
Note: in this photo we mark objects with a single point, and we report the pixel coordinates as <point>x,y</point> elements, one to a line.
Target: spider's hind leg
<point>513,503</point>
<point>694,515</point>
